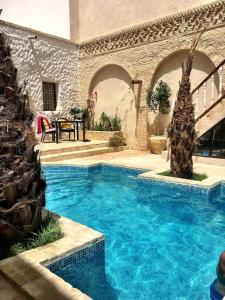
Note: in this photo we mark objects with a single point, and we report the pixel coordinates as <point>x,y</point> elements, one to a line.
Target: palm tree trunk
<point>22,188</point>
<point>181,131</point>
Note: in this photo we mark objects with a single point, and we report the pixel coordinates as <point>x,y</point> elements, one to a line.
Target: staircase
<point>209,100</point>
<point>73,150</point>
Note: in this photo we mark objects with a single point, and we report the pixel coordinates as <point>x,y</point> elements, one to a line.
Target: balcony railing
<point>209,92</point>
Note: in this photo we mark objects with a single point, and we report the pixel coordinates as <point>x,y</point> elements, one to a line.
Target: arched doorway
<point>170,71</point>
<point>114,94</point>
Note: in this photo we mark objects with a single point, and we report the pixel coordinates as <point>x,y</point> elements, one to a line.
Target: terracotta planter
<point>157,144</point>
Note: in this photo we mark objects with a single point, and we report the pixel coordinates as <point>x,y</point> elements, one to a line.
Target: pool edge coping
<point>35,261</point>
<point>148,174</point>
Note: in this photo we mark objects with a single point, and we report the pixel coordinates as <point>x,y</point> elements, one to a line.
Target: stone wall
<point>141,50</point>
<point>98,135</point>
<point>46,58</point>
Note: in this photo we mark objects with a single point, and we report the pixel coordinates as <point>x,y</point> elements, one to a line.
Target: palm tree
<point>22,189</point>
<point>181,131</point>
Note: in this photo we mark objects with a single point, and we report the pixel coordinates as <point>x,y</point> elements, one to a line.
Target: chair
<point>67,127</point>
<point>46,128</point>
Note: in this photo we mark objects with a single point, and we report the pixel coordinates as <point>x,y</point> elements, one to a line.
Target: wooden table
<point>76,128</point>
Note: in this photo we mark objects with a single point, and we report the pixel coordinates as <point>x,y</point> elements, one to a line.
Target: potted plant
<point>158,102</point>
<point>75,112</point>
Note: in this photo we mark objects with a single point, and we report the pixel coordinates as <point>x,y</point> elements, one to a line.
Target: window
<point>49,96</point>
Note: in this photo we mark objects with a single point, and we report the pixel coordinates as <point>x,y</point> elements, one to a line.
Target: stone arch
<point>196,65</point>
<point>102,68</point>
<point>107,62</point>
<point>112,85</point>
<point>169,70</point>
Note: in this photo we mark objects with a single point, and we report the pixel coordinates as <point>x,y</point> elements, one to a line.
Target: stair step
<point>72,148</point>
<point>77,154</point>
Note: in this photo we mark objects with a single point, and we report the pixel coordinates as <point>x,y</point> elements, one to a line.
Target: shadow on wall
<point>169,70</point>
<point>116,96</point>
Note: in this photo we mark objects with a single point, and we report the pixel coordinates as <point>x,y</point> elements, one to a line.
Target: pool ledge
<point>210,182</point>
<point>27,270</point>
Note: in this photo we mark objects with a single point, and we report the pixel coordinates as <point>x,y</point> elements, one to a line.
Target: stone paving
<point>144,160</point>
<point>9,292</point>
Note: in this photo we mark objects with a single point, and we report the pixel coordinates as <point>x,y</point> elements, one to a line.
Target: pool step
<point>59,148</point>
<point>77,154</point>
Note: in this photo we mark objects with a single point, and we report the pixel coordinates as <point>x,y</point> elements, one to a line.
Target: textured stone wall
<point>46,58</point>
<point>142,49</point>
<point>98,135</point>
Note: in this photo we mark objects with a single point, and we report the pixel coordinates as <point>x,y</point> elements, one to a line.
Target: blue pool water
<point>161,242</point>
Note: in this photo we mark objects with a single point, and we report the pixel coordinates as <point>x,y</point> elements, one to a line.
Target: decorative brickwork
<point>182,23</point>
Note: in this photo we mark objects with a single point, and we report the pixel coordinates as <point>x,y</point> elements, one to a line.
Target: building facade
<point>114,65</point>
<point>42,58</point>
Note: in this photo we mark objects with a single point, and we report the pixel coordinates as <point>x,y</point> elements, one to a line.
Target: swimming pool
<point>162,241</point>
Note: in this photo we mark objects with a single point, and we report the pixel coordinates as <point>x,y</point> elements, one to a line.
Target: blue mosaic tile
<point>88,253</point>
<point>154,187</point>
<point>95,168</point>
<point>196,211</point>
<point>223,189</point>
<point>121,170</point>
<point>60,168</point>
<point>84,269</point>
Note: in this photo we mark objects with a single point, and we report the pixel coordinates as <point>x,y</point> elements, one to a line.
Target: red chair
<point>46,128</point>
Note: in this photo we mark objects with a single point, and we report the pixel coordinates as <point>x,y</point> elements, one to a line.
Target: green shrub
<point>117,140</point>
<point>115,123</point>
<point>75,111</point>
<point>199,177</point>
<point>158,100</point>
<point>108,123</point>
<point>49,232</point>
<point>196,176</point>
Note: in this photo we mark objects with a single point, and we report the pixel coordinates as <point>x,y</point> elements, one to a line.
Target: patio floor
<point>145,160</point>
<point>9,292</point>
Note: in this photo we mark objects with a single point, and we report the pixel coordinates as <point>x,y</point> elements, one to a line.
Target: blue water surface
<point>159,244</point>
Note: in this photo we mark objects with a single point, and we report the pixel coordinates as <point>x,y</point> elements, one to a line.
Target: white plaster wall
<point>97,17</point>
<point>115,96</point>
<point>45,59</point>
<point>50,16</point>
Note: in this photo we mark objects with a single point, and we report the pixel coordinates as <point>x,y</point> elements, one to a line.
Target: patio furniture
<point>66,126</point>
<point>47,128</point>
<point>76,124</point>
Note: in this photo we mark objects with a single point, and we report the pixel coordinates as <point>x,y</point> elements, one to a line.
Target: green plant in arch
<point>107,123</point>
<point>158,100</point>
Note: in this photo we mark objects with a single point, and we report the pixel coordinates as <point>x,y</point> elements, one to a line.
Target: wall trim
<point>35,32</point>
<point>192,20</point>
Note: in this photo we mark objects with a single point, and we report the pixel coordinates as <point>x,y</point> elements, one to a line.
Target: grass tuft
<point>49,232</point>
<point>196,176</point>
